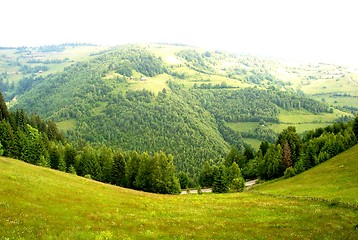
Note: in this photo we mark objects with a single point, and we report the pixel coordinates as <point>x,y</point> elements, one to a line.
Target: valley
<point>163,118</point>
<point>136,97</point>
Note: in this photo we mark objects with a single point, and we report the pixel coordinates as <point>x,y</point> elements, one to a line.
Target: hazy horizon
<point>292,30</point>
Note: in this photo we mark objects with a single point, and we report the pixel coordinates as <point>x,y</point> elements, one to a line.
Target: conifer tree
<point>206,177</point>
<point>119,169</point>
<point>4,113</point>
<point>355,127</point>
<point>287,161</point>
<point>133,164</point>
<point>1,150</point>
<point>220,181</point>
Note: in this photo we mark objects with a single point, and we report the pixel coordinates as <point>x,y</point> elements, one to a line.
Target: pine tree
<point>62,165</point>
<point>119,169</point>
<point>235,180</point>
<point>220,181</point>
<point>290,136</point>
<point>1,150</point>
<point>69,155</point>
<point>355,127</point>
<point>183,179</point>
<point>133,164</point>
<point>206,177</point>
<point>7,137</point>
<point>287,161</point>
<point>4,113</point>
<point>72,170</point>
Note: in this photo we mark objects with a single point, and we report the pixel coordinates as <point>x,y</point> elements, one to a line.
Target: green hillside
<point>183,100</point>
<point>336,179</point>
<point>40,203</point>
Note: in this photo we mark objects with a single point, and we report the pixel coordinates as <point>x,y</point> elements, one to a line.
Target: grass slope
<point>40,203</point>
<point>335,179</point>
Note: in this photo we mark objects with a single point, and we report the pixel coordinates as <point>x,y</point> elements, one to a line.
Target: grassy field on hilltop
<point>12,59</point>
<point>39,203</point>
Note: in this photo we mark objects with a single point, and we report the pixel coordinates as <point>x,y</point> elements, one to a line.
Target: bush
<point>237,185</point>
<point>289,172</point>
<point>199,190</point>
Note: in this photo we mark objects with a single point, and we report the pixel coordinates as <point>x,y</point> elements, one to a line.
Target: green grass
<point>335,179</point>
<point>255,143</point>
<point>243,126</point>
<point>300,127</point>
<point>66,125</point>
<point>303,116</point>
<point>40,203</point>
<point>74,54</point>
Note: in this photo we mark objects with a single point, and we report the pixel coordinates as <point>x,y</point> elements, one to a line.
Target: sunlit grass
<point>39,203</point>
<point>255,143</point>
<point>66,125</point>
<point>335,179</point>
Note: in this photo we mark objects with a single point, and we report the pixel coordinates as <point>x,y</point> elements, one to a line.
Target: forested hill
<point>134,98</point>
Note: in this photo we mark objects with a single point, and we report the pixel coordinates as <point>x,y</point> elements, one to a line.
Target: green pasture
<point>340,85</point>
<point>255,143</point>
<point>40,203</point>
<point>303,116</point>
<point>73,54</point>
<point>243,126</point>
<point>335,179</point>
<point>300,127</point>
<point>66,125</point>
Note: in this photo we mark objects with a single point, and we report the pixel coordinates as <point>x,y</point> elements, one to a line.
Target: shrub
<point>237,185</point>
<point>289,172</point>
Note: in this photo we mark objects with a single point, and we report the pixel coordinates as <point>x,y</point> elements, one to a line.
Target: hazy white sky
<point>313,30</point>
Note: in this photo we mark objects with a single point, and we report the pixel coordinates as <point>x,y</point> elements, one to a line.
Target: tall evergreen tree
<point>4,113</point>
<point>220,182</point>
<point>6,137</point>
<point>119,169</point>
<point>206,177</point>
<point>287,161</point>
<point>133,164</point>
<point>290,136</point>
<point>355,127</point>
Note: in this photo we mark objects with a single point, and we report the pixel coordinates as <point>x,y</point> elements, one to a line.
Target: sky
<point>303,30</point>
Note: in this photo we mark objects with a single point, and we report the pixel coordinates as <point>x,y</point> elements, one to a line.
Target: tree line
<point>291,154</point>
<point>39,142</point>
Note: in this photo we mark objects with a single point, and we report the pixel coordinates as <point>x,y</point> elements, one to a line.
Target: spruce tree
<point>355,127</point>
<point>220,181</point>
<point>119,169</point>
<point>206,177</point>
<point>287,161</point>
<point>4,113</point>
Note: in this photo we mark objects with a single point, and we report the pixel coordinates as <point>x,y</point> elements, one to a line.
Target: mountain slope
<point>40,203</point>
<point>335,179</point>
<point>101,100</point>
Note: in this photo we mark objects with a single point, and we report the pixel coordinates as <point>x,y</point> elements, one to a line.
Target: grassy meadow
<point>10,58</point>
<point>40,203</point>
<point>335,179</point>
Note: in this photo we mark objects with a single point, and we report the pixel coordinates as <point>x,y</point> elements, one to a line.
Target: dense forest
<point>288,156</point>
<point>39,142</point>
<point>189,123</point>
